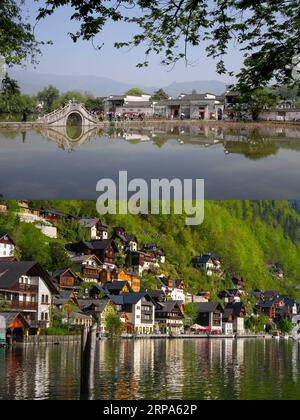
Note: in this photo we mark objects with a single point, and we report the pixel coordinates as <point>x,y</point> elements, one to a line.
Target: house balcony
<point>30,288</point>
<point>23,306</point>
<point>146,321</point>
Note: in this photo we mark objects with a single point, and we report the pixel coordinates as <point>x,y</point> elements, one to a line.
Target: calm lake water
<point>236,164</point>
<point>157,369</point>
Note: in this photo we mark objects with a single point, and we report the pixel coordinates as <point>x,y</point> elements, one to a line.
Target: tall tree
<point>159,95</point>
<point>254,102</point>
<point>48,96</point>
<point>17,40</point>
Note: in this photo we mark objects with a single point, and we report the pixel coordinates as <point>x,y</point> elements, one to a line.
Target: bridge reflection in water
<point>69,137</point>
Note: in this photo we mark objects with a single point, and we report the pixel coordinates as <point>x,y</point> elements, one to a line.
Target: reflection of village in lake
<point>253,144</point>
<point>157,369</point>
<point>237,162</point>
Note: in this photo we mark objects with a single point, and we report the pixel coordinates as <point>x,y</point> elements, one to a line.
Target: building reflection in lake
<point>156,369</point>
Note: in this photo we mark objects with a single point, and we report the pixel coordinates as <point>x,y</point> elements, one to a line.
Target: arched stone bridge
<point>59,117</point>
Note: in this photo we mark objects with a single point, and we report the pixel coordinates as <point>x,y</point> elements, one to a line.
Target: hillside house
<point>210,315</point>
<point>210,263</point>
<point>66,279</point>
<point>158,252</point>
<point>104,250</point>
<point>98,309</point>
<point>125,275</point>
<point>239,282</point>
<point>63,298</point>
<point>230,296</point>
<point>117,288</point>
<point>139,309</point>
<point>173,288</point>
<point>89,268</point>
<point>28,289</point>
<point>7,247</point>
<point>53,216</point>
<point>233,311</point>
<point>266,308</point>
<point>169,317</point>
<point>128,242</point>
<point>96,230</point>
<point>142,262</point>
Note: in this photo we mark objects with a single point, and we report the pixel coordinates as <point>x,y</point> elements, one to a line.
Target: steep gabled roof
<point>208,307</point>
<point>116,286</point>
<point>130,298</point>
<point>9,317</point>
<point>6,235</point>
<point>87,222</point>
<point>99,244</point>
<point>11,271</point>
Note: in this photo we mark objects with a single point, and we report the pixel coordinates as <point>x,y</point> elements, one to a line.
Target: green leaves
<point>266,32</point>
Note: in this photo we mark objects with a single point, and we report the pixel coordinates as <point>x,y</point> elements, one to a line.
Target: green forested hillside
<point>247,235</point>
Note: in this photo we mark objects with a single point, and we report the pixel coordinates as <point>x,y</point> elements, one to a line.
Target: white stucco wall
<point>43,308</point>
<point>6,250</point>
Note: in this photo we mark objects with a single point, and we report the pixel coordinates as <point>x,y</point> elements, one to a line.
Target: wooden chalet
<point>89,268</point>
<point>266,308</point>
<point>125,275</point>
<point>53,216</point>
<point>104,250</point>
<point>169,317</point>
<point>128,242</point>
<point>210,315</point>
<point>233,311</point>
<point>66,279</point>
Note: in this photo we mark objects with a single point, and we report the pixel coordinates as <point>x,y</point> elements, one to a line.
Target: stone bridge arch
<point>60,117</point>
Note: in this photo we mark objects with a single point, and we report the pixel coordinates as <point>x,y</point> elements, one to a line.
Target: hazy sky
<point>66,58</point>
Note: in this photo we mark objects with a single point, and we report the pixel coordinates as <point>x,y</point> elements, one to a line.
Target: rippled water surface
<point>157,369</point>
<point>235,163</point>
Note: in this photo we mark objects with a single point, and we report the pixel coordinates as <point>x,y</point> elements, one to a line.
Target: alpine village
<point>124,286</point>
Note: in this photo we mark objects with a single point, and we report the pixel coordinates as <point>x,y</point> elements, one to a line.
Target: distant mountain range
<point>31,83</point>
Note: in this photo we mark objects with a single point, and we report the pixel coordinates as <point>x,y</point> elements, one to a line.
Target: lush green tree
<point>191,312</point>
<point>59,256</point>
<point>285,326</point>
<point>113,324</point>
<point>266,32</point>
<point>94,104</point>
<point>254,102</point>
<point>17,40</point>
<point>72,95</point>
<point>257,324</point>
<point>48,97</point>
<point>9,95</point>
<point>134,91</point>
<point>34,246</point>
<point>159,95</point>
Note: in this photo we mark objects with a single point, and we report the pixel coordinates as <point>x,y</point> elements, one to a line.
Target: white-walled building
<point>28,289</point>
<point>139,308</point>
<point>7,246</point>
